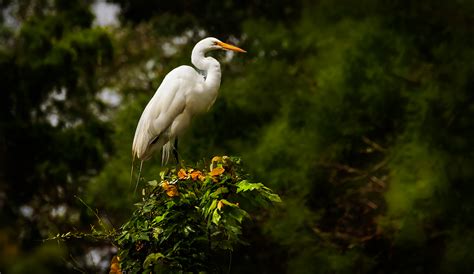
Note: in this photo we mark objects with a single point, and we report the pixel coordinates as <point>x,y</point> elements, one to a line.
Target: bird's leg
<point>175,150</point>
<point>138,179</point>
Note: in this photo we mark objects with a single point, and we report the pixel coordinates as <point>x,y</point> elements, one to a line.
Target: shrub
<point>188,218</point>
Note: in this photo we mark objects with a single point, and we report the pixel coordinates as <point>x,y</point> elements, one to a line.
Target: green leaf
<point>143,237</point>
<point>160,218</point>
<point>216,217</point>
<point>219,191</point>
<point>212,207</point>
<point>163,174</point>
<point>156,232</point>
<point>152,259</point>
<point>247,186</point>
<point>153,183</point>
<point>238,214</point>
<point>225,202</point>
<point>273,197</point>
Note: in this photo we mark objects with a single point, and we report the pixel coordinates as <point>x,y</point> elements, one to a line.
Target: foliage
<point>191,216</point>
<point>53,137</point>
<point>357,113</point>
<point>175,17</point>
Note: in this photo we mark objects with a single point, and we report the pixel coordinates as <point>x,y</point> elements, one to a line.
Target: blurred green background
<point>358,113</point>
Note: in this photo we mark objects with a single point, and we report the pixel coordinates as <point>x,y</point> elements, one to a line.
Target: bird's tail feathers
<point>165,156</point>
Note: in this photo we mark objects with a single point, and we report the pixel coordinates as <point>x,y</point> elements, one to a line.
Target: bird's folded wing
<point>167,103</point>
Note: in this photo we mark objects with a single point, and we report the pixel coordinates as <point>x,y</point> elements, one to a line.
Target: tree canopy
<point>358,114</point>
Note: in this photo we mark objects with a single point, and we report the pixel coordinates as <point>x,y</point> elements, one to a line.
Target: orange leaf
<point>182,174</point>
<point>196,175</point>
<point>171,190</point>
<point>115,266</point>
<point>220,204</point>
<point>217,171</point>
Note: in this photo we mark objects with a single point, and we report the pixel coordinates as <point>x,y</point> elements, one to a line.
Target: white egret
<point>184,92</point>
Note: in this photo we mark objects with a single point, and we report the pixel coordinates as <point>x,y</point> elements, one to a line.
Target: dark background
<point>358,113</point>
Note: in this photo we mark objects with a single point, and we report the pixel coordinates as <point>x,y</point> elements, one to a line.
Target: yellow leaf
<point>217,171</point>
<point>216,159</point>
<point>182,174</point>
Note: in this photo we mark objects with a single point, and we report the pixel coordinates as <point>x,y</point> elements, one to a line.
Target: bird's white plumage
<point>183,93</point>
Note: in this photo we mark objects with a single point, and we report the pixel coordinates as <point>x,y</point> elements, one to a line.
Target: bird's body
<point>168,114</point>
<point>183,93</point>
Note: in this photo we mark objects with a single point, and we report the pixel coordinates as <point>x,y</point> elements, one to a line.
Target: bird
<point>184,92</point>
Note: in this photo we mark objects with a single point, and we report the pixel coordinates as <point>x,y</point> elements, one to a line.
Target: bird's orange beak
<point>230,47</point>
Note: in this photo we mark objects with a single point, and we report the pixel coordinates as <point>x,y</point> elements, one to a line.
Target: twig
<point>373,144</point>
<point>345,168</point>
<point>101,223</point>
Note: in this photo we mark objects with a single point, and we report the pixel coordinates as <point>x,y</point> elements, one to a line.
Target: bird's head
<point>212,43</point>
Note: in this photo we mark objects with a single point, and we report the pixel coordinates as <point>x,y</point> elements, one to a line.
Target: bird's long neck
<point>210,67</point>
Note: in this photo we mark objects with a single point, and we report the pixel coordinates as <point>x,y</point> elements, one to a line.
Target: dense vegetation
<point>358,114</point>
<point>192,219</point>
